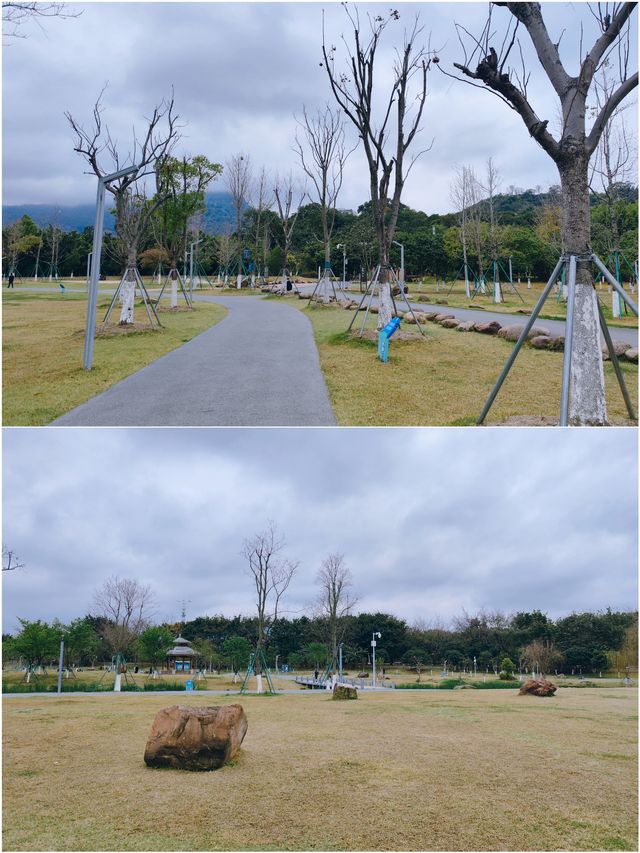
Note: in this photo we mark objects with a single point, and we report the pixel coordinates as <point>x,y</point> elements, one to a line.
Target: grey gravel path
<point>257,367</point>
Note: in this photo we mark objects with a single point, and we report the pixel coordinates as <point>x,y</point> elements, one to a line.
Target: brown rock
<point>432,316</point>
<point>343,691</point>
<point>619,347</point>
<point>632,355</point>
<point>451,323</point>
<point>467,326</point>
<point>538,687</point>
<point>488,328</point>
<point>541,342</point>
<point>440,317</point>
<point>187,738</point>
<point>513,332</point>
<point>409,318</point>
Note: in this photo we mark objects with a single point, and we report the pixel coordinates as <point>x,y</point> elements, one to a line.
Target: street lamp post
<point>195,243</point>
<point>340,661</point>
<point>373,657</point>
<point>95,263</point>
<point>395,243</point>
<point>475,669</point>
<point>60,664</point>
<point>344,264</point>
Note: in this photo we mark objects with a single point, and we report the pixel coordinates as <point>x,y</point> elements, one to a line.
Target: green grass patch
<point>43,341</point>
<point>442,379</point>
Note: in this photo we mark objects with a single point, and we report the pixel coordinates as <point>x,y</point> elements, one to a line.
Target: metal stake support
<point>521,340</point>
<point>568,343</point>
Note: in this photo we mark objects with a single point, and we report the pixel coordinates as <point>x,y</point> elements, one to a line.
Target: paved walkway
<point>257,367</point>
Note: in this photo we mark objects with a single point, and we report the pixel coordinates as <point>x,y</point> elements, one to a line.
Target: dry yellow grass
<point>43,340</point>
<point>461,770</point>
<point>443,380</point>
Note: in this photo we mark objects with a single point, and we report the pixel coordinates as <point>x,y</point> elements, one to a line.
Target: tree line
<point>528,232</point>
<point>580,642</point>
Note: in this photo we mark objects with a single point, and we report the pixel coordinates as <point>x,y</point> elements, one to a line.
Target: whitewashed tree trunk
<point>259,688</point>
<point>127,297</point>
<point>174,289</point>
<point>239,281</point>
<point>587,404</point>
<point>117,687</point>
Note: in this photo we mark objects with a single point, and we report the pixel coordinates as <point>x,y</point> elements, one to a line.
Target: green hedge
<point>452,683</point>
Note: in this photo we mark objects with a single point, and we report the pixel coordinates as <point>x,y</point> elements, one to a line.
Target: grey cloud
<point>429,520</point>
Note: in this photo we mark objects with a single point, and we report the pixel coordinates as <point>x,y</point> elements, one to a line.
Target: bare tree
<point>571,151</point>
<point>289,196</point>
<point>15,15</point>
<point>385,147</point>
<point>271,574</point>
<point>490,188</point>
<point>614,158</point>
<point>335,600</point>
<point>239,176</point>
<point>261,201</point>
<point>126,606</point>
<point>10,560</point>
<point>465,195</point>
<point>541,656</point>
<point>323,155</point>
<point>133,211</point>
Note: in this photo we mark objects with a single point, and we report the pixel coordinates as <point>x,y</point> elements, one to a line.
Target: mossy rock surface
<point>342,691</point>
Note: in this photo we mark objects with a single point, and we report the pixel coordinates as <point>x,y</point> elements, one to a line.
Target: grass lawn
<point>443,380</point>
<point>43,340</point>
<point>463,770</point>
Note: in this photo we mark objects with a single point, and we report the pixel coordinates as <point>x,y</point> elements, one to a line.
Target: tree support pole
<point>568,343</point>
<point>520,341</point>
<point>605,272</point>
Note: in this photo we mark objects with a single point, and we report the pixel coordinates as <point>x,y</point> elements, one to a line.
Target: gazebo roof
<point>181,649</point>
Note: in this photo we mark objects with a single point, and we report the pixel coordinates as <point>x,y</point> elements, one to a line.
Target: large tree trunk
<point>385,311</point>
<point>128,289</point>
<point>587,404</point>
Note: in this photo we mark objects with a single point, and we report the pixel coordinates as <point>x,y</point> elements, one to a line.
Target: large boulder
<point>467,326</point>
<point>187,738</point>
<point>451,323</point>
<point>440,317</point>
<point>538,687</point>
<point>343,691</point>
<point>632,355</point>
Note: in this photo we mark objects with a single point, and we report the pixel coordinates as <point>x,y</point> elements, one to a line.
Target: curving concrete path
<point>257,367</point>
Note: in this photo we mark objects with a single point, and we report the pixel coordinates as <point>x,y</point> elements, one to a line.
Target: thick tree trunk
<point>587,403</point>
<point>174,288</point>
<point>385,311</point>
<point>128,290</point>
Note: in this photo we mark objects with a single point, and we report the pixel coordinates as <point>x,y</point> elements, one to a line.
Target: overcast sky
<point>240,72</point>
<point>430,520</point>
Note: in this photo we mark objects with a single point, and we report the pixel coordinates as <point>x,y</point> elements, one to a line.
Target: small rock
<point>431,316</point>
<point>374,309</point>
<point>409,318</point>
<point>632,355</point>
<point>488,328</point>
<point>541,342</point>
<point>467,326</point>
<point>513,332</point>
<point>619,347</point>
<point>343,691</point>
<point>440,317</point>
<point>538,687</point>
<point>450,323</point>
<point>188,738</point>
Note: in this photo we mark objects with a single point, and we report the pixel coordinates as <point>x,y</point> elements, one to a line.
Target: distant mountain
<point>218,218</point>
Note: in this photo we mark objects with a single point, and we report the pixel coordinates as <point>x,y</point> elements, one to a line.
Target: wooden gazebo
<point>181,657</point>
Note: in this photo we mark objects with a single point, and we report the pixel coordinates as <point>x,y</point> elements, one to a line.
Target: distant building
<point>181,657</point>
